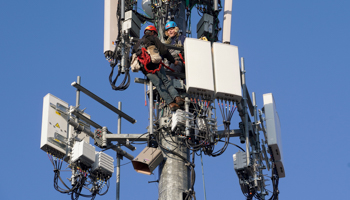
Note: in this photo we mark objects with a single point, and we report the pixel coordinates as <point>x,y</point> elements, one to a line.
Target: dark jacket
<point>178,40</point>
<point>148,40</point>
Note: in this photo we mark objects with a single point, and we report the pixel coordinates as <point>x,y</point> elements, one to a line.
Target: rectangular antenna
<point>103,102</point>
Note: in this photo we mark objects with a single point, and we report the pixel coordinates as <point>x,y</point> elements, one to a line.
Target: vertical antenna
<point>226,27</point>
<point>77,100</point>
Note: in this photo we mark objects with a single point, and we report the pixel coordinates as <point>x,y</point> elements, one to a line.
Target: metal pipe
<point>118,157</point>
<point>256,120</point>
<point>187,109</point>
<point>216,5</point>
<point>245,108</point>
<point>122,152</point>
<point>77,100</point>
<point>150,128</point>
<point>80,128</point>
<point>205,194</point>
<point>256,155</point>
<point>122,61</point>
<point>122,9</point>
<point>123,137</point>
<point>103,102</point>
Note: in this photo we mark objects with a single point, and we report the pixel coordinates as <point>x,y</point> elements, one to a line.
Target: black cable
<point>234,145</point>
<point>124,84</point>
<point>108,183</point>
<point>137,138</point>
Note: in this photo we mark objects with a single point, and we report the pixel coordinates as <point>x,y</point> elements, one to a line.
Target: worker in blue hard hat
<point>154,71</point>
<point>172,31</point>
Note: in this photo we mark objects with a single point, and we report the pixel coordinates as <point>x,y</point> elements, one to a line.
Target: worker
<point>176,39</point>
<point>154,71</point>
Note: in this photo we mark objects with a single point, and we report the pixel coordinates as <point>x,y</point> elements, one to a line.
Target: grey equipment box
<point>205,25</point>
<point>133,23</point>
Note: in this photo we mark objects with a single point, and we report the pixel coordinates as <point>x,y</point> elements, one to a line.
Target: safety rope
<point>145,59</point>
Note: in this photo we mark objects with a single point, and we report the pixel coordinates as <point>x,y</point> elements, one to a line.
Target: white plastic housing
<point>84,152</point>
<point>273,127</point>
<point>227,72</point>
<point>110,25</point>
<point>199,68</point>
<point>103,164</point>
<point>226,27</point>
<point>54,127</point>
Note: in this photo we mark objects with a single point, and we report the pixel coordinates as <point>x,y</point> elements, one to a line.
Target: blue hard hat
<point>170,24</point>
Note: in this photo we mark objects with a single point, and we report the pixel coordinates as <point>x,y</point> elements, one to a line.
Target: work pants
<point>163,85</point>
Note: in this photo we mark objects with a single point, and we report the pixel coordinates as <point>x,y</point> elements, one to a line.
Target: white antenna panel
<point>110,25</point>
<point>227,72</point>
<point>199,68</point>
<point>273,130</point>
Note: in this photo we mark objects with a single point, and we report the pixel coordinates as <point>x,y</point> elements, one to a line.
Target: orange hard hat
<point>151,28</point>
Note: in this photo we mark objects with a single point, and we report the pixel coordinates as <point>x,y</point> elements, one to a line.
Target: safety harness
<point>145,59</point>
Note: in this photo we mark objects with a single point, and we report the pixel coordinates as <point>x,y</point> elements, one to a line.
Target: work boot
<point>173,106</point>
<point>179,101</point>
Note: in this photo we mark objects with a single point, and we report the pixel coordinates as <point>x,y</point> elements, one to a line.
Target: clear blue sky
<point>298,50</point>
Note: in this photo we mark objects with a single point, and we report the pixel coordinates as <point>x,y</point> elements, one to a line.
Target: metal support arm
<point>123,137</point>
<point>103,102</point>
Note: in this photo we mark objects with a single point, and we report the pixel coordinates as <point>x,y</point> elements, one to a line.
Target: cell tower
<point>174,135</point>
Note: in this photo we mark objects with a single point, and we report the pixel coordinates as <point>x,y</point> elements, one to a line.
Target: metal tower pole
<point>174,175</point>
<point>118,156</point>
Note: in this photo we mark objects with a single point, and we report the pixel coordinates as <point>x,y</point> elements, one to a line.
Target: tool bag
<point>135,65</point>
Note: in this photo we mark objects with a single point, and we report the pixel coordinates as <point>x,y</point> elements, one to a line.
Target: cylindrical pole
<point>150,128</point>
<point>226,27</point>
<point>216,5</point>
<point>205,194</point>
<point>174,175</point>
<point>122,9</point>
<point>245,108</point>
<point>255,146</point>
<point>187,109</point>
<point>118,156</point>
<point>77,100</point>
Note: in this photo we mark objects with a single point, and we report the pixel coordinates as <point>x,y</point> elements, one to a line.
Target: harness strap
<point>182,58</point>
<point>145,59</point>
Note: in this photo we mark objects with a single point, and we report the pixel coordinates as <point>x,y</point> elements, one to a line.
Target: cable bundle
<point>227,113</point>
<point>81,181</point>
<point>124,84</point>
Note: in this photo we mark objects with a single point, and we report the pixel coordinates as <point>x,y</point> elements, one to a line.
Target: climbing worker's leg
<point>167,83</point>
<point>163,92</point>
